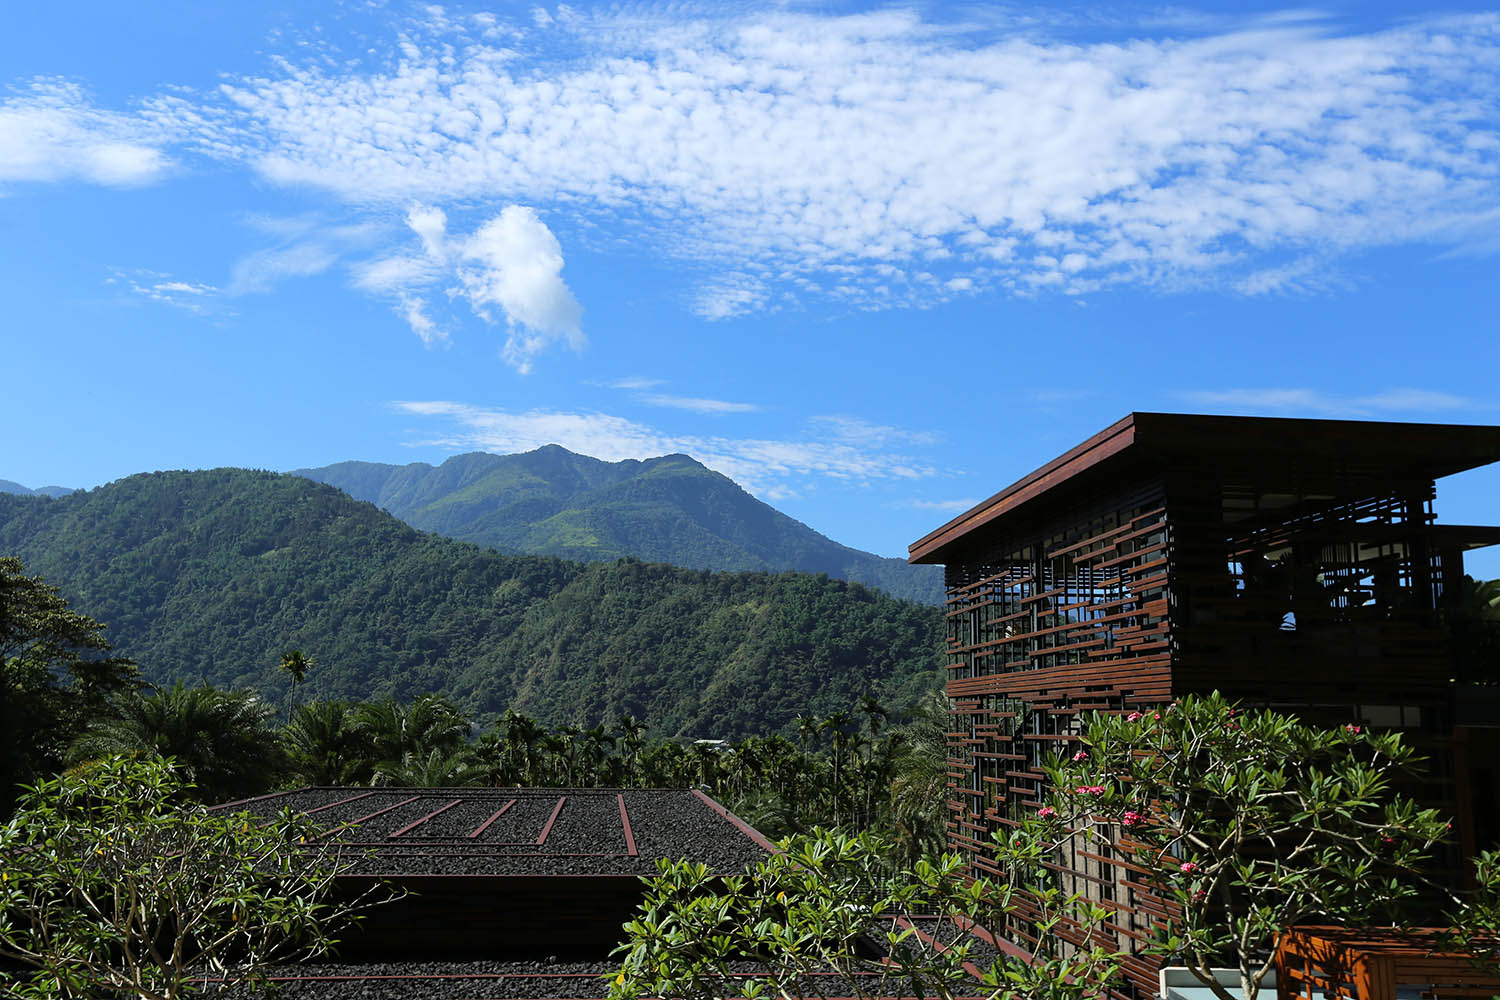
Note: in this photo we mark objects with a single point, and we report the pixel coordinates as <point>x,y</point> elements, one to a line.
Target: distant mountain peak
<point>7,486</point>
<point>671,508</point>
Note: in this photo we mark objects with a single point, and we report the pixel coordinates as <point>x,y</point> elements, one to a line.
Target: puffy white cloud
<point>883,160</point>
<point>766,467</point>
<point>53,132</point>
<point>512,264</point>
<point>517,266</point>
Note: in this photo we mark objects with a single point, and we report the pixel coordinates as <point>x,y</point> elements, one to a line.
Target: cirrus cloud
<point>882,160</point>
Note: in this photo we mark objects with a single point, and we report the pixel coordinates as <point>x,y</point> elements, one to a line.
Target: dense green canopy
<point>213,576</point>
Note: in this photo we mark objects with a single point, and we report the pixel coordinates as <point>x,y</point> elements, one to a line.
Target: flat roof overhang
<point>1364,450</point>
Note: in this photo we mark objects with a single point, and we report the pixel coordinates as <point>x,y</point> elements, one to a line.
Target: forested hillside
<point>211,576</point>
<point>670,509</point>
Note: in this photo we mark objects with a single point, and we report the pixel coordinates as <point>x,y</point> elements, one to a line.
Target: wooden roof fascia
<point>1106,444</point>
<point>1421,450</point>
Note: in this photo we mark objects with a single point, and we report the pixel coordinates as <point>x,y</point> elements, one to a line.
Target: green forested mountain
<point>670,509</point>
<point>211,576</point>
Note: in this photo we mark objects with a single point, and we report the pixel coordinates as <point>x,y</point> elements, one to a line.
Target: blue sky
<point>874,263</point>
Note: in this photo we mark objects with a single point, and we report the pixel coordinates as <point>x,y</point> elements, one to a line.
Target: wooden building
<point>1293,564</point>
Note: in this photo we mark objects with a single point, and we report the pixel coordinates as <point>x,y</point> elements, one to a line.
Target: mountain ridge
<point>8,486</point>
<point>211,576</point>
<point>672,508</point>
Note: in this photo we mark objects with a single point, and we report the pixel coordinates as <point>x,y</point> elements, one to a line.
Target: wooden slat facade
<point>1292,564</point>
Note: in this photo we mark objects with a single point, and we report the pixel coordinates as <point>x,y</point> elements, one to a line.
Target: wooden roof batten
<point>1365,450</point>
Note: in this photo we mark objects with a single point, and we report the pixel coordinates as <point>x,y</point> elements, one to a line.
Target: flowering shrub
<point>1283,822</point>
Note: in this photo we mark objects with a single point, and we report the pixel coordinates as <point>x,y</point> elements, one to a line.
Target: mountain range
<point>672,509</point>
<point>6,486</point>
<point>211,576</point>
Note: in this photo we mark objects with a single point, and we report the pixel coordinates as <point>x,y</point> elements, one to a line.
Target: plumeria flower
<point>1133,717</point>
<point>1132,818</point>
<point>1200,895</point>
<point>1188,867</point>
<point>1046,811</point>
<point>1081,755</point>
<point>1089,790</point>
<point>1352,728</point>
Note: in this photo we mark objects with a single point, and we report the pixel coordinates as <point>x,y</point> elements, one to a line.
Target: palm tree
<point>919,789</point>
<point>435,770</point>
<point>838,723</point>
<point>296,666</point>
<point>324,746</point>
<point>397,731</point>
<point>875,713</point>
<point>220,739</point>
<point>524,736</point>
<point>630,737</point>
<point>593,753</point>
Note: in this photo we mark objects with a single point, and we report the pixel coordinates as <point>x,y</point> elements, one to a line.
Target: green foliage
<point>211,576</point>
<point>324,745</point>
<point>1249,821</point>
<point>220,740</point>
<point>826,908</point>
<point>671,509</point>
<point>423,743</point>
<point>114,884</point>
<point>56,675</point>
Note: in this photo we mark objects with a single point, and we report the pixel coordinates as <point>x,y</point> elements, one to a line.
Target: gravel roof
<point>538,980</point>
<point>522,831</point>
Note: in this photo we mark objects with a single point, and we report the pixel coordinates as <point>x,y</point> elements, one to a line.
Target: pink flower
<point>1089,790</point>
<point>1081,755</point>
<point>1200,895</point>
<point>1388,840</point>
<point>1133,717</point>
<point>1156,715</point>
<point>1352,728</point>
<point>1046,811</point>
<point>1188,868</point>
<point>1132,818</point>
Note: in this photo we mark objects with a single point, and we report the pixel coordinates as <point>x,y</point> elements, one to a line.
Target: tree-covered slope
<point>213,575</point>
<point>670,509</point>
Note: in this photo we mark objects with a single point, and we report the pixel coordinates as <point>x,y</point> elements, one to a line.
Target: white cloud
<point>712,407</point>
<point>260,270</point>
<point>765,467</point>
<point>1324,404</point>
<point>883,160</point>
<point>194,296</point>
<point>415,311</point>
<point>52,133</point>
<point>431,226</point>
<point>511,263</point>
<point>944,506</point>
<point>634,382</point>
<point>519,268</point>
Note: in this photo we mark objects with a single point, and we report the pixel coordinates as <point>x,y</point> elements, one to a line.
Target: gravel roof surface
<point>521,831</point>
<point>540,980</point>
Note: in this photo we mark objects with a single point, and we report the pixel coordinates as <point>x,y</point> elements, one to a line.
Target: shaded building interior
<point>1294,564</point>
